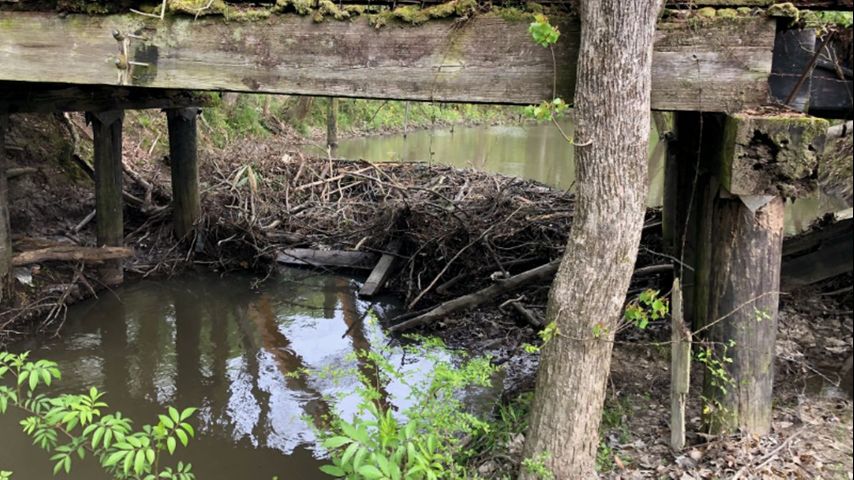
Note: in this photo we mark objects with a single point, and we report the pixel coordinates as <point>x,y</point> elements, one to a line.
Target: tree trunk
<point>332,123</point>
<point>5,229</point>
<point>612,101</point>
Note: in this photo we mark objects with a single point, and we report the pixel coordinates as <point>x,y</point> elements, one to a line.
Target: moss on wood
<point>772,154</point>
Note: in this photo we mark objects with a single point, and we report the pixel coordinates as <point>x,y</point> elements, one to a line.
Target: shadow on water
<point>242,355</point>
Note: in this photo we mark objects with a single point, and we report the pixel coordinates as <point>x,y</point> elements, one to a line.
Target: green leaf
<point>370,472</point>
<point>182,436</point>
<point>333,470</point>
<point>171,444</point>
<point>336,442</point>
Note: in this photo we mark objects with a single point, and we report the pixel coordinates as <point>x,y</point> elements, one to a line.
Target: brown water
<point>221,345</point>
<point>534,152</point>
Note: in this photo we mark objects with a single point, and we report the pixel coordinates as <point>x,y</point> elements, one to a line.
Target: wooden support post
<point>5,233</point>
<point>332,123</point>
<point>688,184</point>
<point>680,369</point>
<point>183,153</point>
<point>742,313</point>
<point>107,134</point>
<point>761,158</point>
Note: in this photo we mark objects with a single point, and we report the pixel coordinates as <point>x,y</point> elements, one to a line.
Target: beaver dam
<point>305,305</point>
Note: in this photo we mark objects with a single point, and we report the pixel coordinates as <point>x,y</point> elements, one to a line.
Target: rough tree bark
<point>612,102</point>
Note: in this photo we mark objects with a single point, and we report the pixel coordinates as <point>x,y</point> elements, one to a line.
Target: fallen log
<point>71,253</point>
<point>543,272</point>
<point>327,258</point>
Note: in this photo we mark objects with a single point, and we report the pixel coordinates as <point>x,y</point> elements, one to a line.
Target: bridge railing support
<point>183,152</point>
<point>109,217</point>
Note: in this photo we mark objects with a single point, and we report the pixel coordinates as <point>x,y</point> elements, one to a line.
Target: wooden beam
<point>327,258</point>
<point>119,6</point>
<point>5,230</point>
<point>742,313</point>
<point>713,66</point>
<point>24,97</point>
<point>183,156</point>
<point>772,153</point>
<point>381,271</point>
<point>107,132</point>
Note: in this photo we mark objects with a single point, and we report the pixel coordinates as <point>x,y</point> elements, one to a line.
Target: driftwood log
<point>71,253</point>
<point>543,272</point>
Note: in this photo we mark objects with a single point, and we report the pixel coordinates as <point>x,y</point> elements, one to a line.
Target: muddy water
<point>218,344</point>
<point>534,152</point>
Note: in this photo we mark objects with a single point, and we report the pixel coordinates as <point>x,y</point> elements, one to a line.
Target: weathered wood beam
<point>714,66</point>
<point>25,97</point>
<point>772,153</point>
<point>183,155</point>
<point>742,312</point>
<point>126,4</point>
<point>109,217</point>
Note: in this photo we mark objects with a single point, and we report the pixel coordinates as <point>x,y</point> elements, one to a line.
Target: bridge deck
<point>718,65</point>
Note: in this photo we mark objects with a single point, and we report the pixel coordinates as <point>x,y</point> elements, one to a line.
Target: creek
<point>226,347</point>
<point>534,152</point>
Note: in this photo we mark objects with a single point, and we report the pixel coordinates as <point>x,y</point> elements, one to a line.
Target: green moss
<point>744,10</point>
<point>196,7</point>
<point>727,13</point>
<point>706,12</point>
<point>786,10</point>
<point>247,14</point>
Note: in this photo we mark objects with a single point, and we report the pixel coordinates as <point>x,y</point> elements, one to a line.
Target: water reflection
<point>535,152</point>
<point>241,355</point>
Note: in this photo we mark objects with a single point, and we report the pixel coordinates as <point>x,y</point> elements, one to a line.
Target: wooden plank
<point>23,97</point>
<point>381,271</point>
<point>125,4</point>
<point>717,66</point>
<point>327,258</point>
<point>183,153</point>
<point>834,258</point>
<point>680,369</point>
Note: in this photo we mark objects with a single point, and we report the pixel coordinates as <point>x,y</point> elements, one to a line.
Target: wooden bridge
<point>736,75</point>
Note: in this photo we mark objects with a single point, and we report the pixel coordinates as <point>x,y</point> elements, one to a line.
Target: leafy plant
<point>543,32</point>
<point>73,426</point>
<point>421,442</point>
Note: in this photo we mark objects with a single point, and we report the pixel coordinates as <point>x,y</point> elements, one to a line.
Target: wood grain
<point>722,66</point>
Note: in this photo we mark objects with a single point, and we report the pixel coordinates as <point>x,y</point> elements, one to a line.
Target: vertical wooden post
<point>680,369</point>
<point>742,305</point>
<point>107,134</point>
<point>185,169</point>
<point>688,182</point>
<point>332,123</point>
<point>5,228</point>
